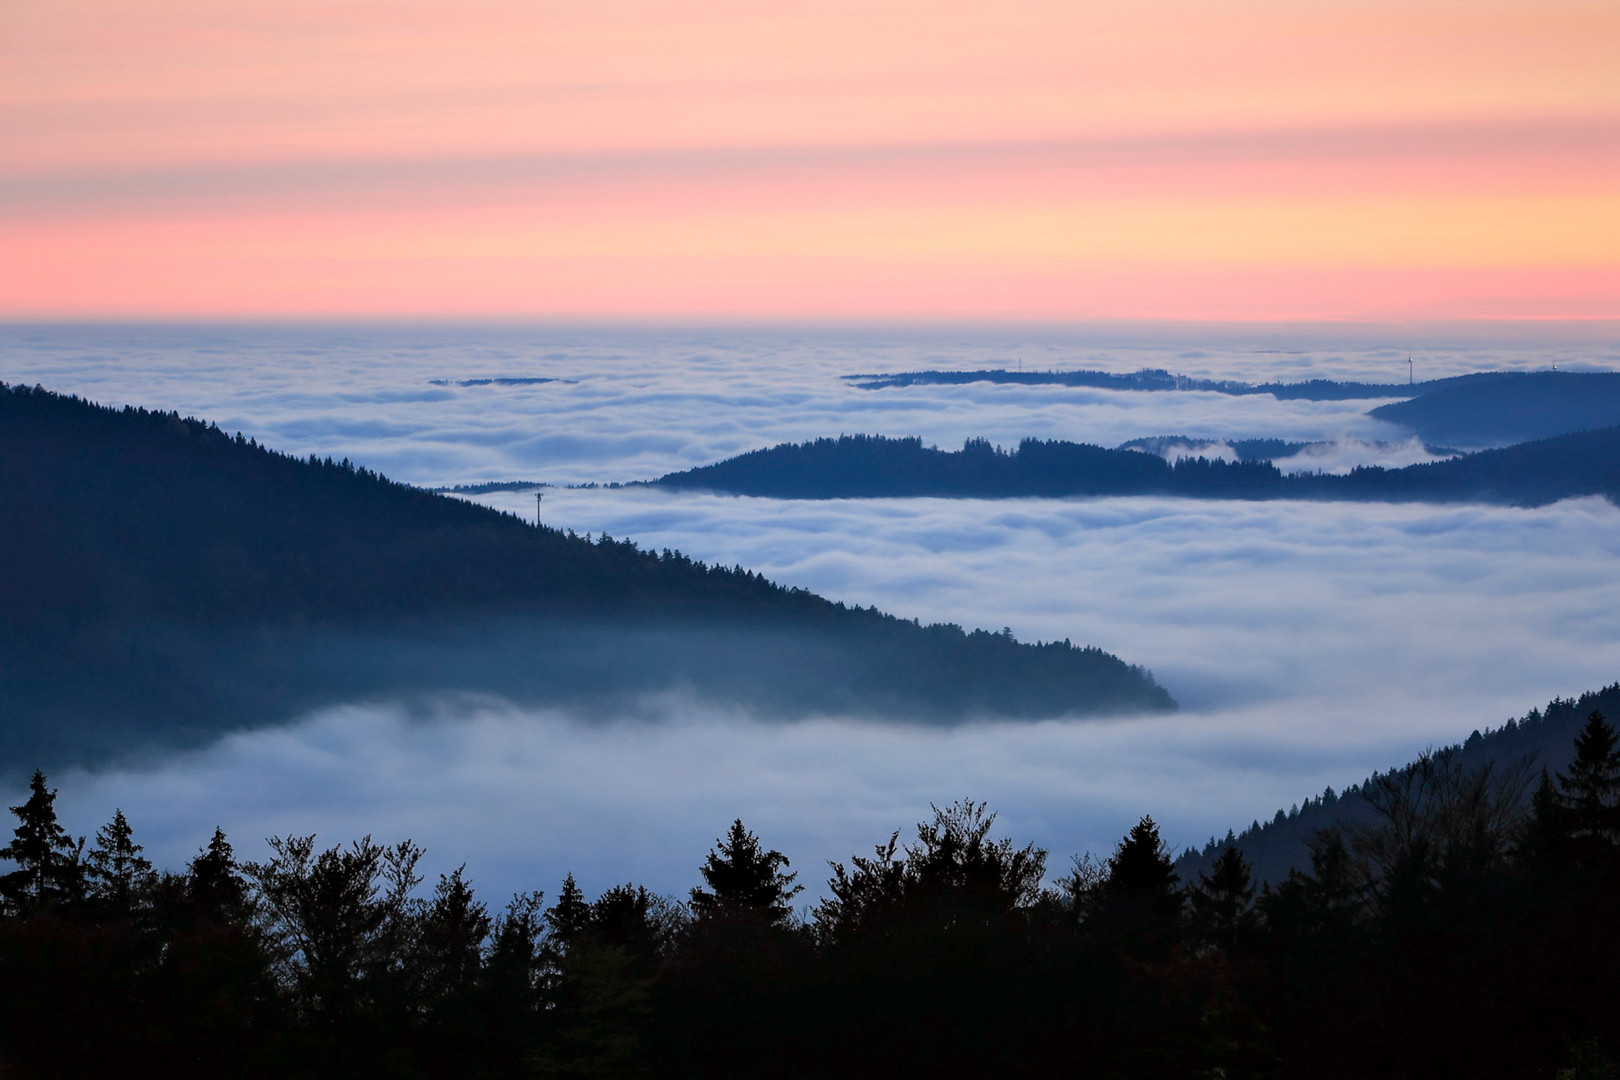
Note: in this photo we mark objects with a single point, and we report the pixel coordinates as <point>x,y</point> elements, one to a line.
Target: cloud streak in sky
<point>703,159</point>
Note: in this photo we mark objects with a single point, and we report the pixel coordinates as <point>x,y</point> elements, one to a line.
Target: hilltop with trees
<point>874,466</point>
<point>166,582</point>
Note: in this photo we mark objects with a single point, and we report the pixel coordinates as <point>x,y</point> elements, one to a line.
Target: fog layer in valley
<point>1307,643</point>
<point>632,405</point>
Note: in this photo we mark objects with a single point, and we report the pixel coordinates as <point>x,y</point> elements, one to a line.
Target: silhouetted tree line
<point>160,570</point>
<point>1462,932</point>
<point>1158,379</point>
<point>868,466</point>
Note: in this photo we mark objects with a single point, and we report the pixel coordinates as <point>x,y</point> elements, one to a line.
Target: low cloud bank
<point>1309,645</point>
<point>1337,456</point>
<point>639,405</point>
<point>1481,608</point>
<point>525,797</point>
<point>1341,455</point>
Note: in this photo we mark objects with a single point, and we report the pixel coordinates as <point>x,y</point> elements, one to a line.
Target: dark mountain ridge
<point>1481,409</point>
<point>1493,412</point>
<point>167,582</point>
<point>875,466</point>
<point>1158,379</point>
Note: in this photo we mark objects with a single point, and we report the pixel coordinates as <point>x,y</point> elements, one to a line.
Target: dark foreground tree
<point>49,870</point>
<point>1139,901</point>
<point>1222,901</point>
<point>117,871</point>
<point>745,881</point>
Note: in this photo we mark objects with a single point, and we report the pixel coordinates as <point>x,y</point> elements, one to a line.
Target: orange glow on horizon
<point>1343,159</point>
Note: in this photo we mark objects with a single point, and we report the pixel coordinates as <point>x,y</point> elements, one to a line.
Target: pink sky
<point>1332,159</point>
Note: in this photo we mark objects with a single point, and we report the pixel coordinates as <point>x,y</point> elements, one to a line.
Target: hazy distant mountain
<point>1511,408</point>
<point>1542,738</point>
<point>165,581</point>
<point>873,466</point>
<point>1484,408</point>
<point>1158,379</point>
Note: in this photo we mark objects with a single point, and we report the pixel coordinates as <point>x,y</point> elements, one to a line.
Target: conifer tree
<point>451,939</point>
<point>1140,900</point>
<point>49,870</point>
<point>1575,817</point>
<point>1142,866</point>
<point>569,918</point>
<point>1222,899</point>
<point>116,870</point>
<point>745,881</point>
<point>216,887</point>
<point>1589,793</point>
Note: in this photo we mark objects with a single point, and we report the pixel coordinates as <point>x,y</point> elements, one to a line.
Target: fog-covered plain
<point>1308,643</point>
<point>631,405</point>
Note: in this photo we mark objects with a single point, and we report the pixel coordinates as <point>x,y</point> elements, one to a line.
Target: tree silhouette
<point>336,914</point>
<point>745,881</point>
<point>216,887</point>
<point>1140,899</point>
<point>450,941</point>
<point>1589,792</point>
<point>1221,900</point>
<point>49,870</point>
<point>115,867</point>
<point>568,919</point>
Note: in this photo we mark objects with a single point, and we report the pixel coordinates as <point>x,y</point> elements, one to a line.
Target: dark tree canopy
<point>868,466</point>
<point>49,870</point>
<point>745,881</point>
<point>115,867</point>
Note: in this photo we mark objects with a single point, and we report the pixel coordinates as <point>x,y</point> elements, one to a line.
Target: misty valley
<point>702,540</point>
<point>800,640</point>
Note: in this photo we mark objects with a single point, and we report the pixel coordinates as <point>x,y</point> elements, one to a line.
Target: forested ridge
<point>1158,379</point>
<point>874,466</point>
<point>1463,930</point>
<point>1542,738</point>
<point>1493,412</point>
<point>167,581</point>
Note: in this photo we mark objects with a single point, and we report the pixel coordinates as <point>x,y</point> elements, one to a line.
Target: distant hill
<point>1158,379</point>
<point>873,466</point>
<point>165,581</point>
<point>1543,738</point>
<point>1481,409</point>
<point>1512,408</point>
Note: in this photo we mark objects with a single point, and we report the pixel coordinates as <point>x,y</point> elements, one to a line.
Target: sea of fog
<point>1308,643</point>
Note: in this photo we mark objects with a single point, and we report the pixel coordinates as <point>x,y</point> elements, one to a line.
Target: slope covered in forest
<point>1541,739</point>
<point>166,581</point>
<point>1495,412</point>
<point>874,466</point>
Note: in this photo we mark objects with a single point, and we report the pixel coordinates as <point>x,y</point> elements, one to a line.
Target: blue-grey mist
<point>1307,643</point>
